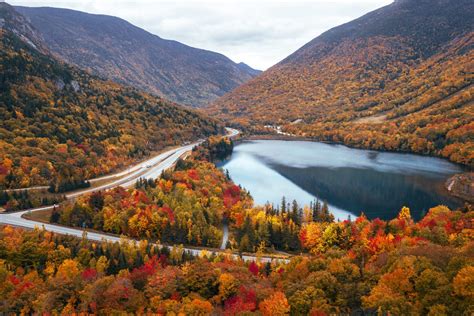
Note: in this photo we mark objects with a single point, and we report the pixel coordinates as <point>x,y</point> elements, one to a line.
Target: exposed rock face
<point>16,23</point>
<point>462,186</point>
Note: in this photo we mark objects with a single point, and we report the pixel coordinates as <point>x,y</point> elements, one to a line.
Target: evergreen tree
<point>316,211</point>
<point>55,215</point>
<point>249,230</point>
<point>325,215</point>
<point>122,261</point>
<point>96,201</point>
<point>283,206</point>
<point>295,213</point>
<point>138,260</point>
<point>268,268</point>
<point>4,198</point>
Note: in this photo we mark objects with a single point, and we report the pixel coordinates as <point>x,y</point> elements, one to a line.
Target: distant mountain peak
<point>396,78</point>
<point>115,49</point>
<point>426,24</point>
<point>249,69</point>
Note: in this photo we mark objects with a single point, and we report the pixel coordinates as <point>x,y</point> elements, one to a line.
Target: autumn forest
<point>115,200</point>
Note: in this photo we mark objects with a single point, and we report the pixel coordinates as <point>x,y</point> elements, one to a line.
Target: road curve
<point>132,171</point>
<point>149,169</point>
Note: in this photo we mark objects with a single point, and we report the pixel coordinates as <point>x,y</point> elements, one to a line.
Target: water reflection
<point>350,180</point>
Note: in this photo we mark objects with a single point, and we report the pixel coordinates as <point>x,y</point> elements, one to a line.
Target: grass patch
<point>40,216</point>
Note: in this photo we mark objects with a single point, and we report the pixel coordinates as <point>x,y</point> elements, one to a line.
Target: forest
<point>186,205</point>
<point>408,89</point>
<point>62,126</point>
<point>374,267</point>
<point>191,203</point>
<point>375,93</point>
<point>23,199</point>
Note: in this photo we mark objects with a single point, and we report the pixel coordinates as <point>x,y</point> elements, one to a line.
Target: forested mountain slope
<point>61,123</point>
<point>118,50</point>
<point>399,78</point>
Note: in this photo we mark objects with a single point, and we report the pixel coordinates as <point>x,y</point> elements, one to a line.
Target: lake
<point>350,180</point>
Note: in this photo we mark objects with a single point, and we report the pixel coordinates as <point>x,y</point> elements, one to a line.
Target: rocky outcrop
<point>462,186</point>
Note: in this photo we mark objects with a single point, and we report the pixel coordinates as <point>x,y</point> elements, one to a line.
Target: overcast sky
<point>257,32</point>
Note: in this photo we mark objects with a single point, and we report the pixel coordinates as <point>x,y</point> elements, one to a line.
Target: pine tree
<point>138,261</point>
<point>55,215</point>
<point>249,230</point>
<point>283,206</point>
<point>295,213</point>
<point>4,197</point>
<point>316,211</point>
<point>122,261</point>
<point>268,268</point>
<point>326,216</point>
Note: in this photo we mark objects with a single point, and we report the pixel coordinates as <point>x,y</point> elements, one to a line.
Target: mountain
<point>17,24</point>
<point>246,68</point>
<point>115,49</point>
<point>399,78</point>
<point>60,123</point>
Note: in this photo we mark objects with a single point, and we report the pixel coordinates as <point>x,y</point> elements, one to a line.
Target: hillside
<point>60,123</point>
<point>364,267</point>
<point>328,267</point>
<point>399,78</point>
<point>117,50</point>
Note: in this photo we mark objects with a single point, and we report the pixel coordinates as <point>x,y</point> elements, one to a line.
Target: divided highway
<point>149,169</point>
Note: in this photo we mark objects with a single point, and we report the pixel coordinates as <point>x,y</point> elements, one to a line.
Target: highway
<point>149,169</point>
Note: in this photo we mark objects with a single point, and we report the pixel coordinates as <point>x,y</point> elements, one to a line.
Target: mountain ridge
<point>61,125</point>
<point>116,49</point>
<point>395,66</point>
<point>403,16</point>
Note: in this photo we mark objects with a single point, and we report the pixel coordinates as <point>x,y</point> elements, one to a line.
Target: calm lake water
<point>350,180</point>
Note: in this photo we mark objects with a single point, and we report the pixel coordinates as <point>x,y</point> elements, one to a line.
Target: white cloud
<point>257,32</point>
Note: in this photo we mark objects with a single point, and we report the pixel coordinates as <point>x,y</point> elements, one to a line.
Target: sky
<point>259,33</point>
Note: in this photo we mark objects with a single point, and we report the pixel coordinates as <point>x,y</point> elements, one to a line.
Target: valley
<point>61,125</point>
<point>382,82</point>
<point>105,45</point>
<point>140,175</point>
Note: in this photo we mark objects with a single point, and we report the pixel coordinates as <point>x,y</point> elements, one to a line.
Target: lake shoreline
<point>316,178</point>
<point>466,170</point>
